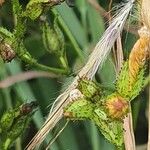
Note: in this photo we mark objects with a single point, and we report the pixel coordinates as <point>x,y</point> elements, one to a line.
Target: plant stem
<point>147,80</point>
<point>50,69</point>
<point>18,144</point>
<point>63,62</point>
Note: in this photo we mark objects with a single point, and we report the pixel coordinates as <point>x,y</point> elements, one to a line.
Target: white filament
<point>105,44</point>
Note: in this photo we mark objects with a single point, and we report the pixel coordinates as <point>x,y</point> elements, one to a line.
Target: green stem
<point>95,137</point>
<point>6,144</point>
<point>147,81</point>
<point>18,144</point>
<point>27,58</point>
<point>7,96</point>
<point>50,69</point>
<point>68,32</point>
<point>120,148</point>
<point>63,62</point>
<point>84,15</point>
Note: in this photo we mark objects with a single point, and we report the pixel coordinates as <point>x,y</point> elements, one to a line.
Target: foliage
<point>58,39</point>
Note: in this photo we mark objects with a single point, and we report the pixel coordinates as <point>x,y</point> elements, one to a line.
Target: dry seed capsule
<point>27,108</point>
<point>6,52</point>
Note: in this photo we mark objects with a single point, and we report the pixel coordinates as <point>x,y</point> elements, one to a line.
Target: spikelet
<point>139,54</point>
<point>131,78</point>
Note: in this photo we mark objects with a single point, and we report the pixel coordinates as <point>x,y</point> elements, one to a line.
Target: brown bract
<point>139,53</point>
<point>68,114</point>
<point>117,107</point>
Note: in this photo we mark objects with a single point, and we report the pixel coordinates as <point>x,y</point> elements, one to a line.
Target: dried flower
<point>6,52</point>
<point>117,107</point>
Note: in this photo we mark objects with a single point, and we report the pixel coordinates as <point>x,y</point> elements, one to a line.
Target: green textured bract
<point>5,33</point>
<point>138,84</point>
<point>111,129</point>
<point>84,109</point>
<point>34,8</point>
<point>80,109</point>
<point>91,90</point>
<point>123,83</point>
<point>93,105</point>
<point>8,119</point>
<point>13,122</point>
<point>6,36</point>
<point>87,108</point>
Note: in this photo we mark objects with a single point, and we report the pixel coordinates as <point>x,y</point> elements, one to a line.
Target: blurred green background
<point>86,25</point>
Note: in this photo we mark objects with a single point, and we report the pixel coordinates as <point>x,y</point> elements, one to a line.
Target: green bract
<point>106,111</point>
<point>111,129</point>
<point>79,109</point>
<point>123,83</point>
<point>84,109</point>
<point>91,90</point>
<point>13,122</point>
<point>53,39</point>
<point>35,7</point>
